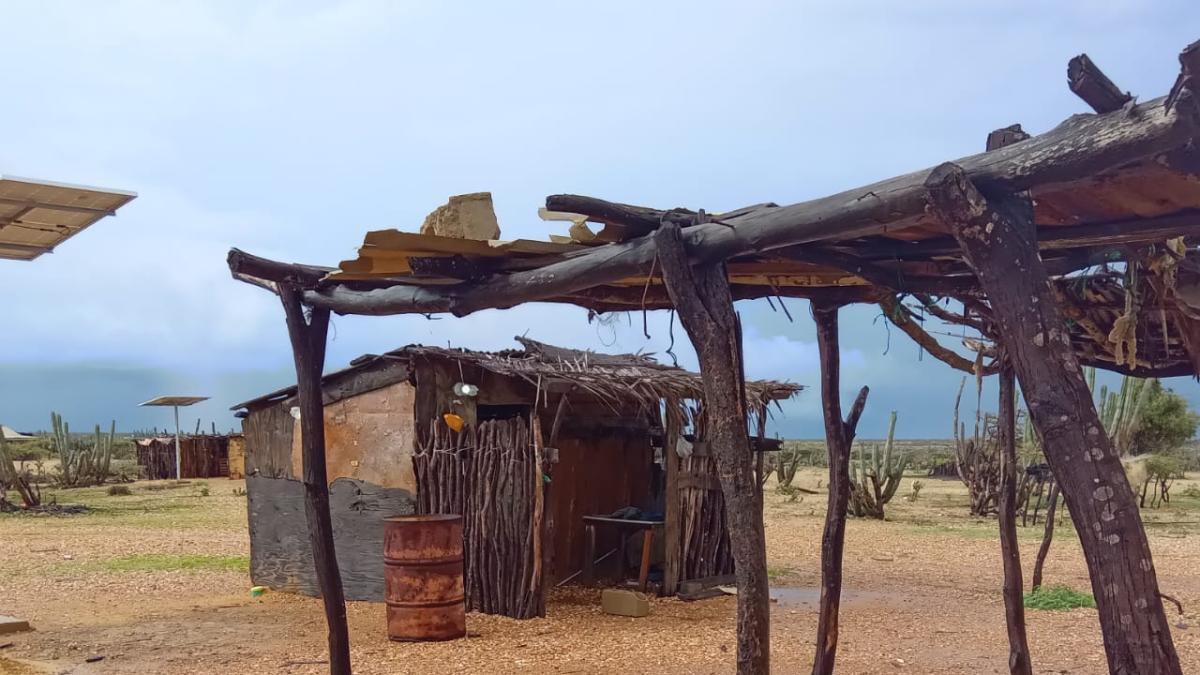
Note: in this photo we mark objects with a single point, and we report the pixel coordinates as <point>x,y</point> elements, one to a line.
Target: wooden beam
<point>839,435</point>
<point>242,265</point>
<point>1079,148</point>
<point>1090,84</point>
<point>1111,233</point>
<point>308,337</point>
<point>1005,136</point>
<point>705,306</point>
<point>1010,551</point>
<point>996,236</point>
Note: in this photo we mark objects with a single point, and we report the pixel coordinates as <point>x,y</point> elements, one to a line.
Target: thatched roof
<point>608,377</point>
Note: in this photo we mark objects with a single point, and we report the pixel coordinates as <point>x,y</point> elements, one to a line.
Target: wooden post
<point>998,239</point>
<point>705,305</point>
<point>1014,605</point>
<point>308,349</point>
<point>839,434</point>
<point>1047,537</point>
<point>671,528</point>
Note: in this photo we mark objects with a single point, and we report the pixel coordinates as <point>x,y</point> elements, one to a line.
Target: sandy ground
<point>922,596</point>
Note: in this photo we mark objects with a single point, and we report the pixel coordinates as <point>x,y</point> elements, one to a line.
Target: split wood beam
<point>996,234</point>
<point>705,306</point>
<point>1089,83</point>
<point>1080,147</point>
<point>308,336</point>
<point>839,436</point>
<point>1010,551</point>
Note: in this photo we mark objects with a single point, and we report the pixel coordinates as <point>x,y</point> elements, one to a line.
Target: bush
<point>119,491</point>
<point>1058,598</point>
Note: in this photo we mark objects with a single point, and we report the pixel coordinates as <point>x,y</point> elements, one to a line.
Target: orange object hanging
<point>453,421</point>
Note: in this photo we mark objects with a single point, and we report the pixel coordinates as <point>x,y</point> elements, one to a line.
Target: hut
<point>525,444</point>
<point>200,456</point>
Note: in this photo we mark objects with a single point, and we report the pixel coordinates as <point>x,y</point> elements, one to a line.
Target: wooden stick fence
<point>490,474</point>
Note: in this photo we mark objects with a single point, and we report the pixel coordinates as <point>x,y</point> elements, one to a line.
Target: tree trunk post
<point>839,434</point>
<point>1047,537</point>
<point>1014,608</point>
<point>997,236</point>
<point>705,305</point>
<point>308,349</point>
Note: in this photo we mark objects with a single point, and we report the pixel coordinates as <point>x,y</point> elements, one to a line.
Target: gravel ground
<point>922,596</point>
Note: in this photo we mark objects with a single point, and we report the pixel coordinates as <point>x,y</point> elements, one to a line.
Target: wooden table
<point>621,525</point>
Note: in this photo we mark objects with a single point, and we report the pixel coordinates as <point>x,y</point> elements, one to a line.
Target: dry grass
<point>923,595</point>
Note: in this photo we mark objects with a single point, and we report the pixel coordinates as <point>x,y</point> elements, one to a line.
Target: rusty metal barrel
<point>423,577</point>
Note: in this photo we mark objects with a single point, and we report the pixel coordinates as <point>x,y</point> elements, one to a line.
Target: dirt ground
<point>155,582</point>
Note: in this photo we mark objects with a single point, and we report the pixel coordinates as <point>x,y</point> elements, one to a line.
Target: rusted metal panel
<point>368,437</point>
<point>423,560</point>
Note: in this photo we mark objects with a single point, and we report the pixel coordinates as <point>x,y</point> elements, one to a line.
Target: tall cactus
<point>874,484</point>
<point>68,455</point>
<point>1121,410</point>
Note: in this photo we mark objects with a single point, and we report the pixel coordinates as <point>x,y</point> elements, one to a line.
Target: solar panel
<point>175,400</point>
<point>36,216</point>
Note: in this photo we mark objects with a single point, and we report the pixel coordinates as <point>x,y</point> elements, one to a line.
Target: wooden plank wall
<point>268,433</point>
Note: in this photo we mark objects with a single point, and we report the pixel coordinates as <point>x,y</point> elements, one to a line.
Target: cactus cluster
<point>874,478</point>
<point>79,463</point>
<point>1121,410</point>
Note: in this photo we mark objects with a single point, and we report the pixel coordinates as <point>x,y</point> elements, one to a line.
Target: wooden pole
<point>1014,607</point>
<point>308,349</point>
<point>996,234</point>
<point>839,434</point>
<point>1047,536</point>
<point>702,298</point>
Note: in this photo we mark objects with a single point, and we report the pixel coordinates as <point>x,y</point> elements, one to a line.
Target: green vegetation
<point>159,562</point>
<point>1058,598</point>
<point>1166,422</point>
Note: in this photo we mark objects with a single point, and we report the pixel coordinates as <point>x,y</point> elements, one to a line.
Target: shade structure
<point>36,216</point>
<point>175,402</point>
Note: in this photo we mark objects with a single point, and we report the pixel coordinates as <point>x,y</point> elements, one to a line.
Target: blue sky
<point>290,128</point>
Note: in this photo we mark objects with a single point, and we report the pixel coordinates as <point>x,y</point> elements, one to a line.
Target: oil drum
<point>423,577</point>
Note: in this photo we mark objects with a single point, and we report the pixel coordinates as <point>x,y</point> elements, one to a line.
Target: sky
<point>289,129</point>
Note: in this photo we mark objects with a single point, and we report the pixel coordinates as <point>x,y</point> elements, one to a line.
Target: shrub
<point>1058,598</point>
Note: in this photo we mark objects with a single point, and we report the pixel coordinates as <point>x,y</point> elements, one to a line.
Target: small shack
<point>200,456</point>
<point>524,444</point>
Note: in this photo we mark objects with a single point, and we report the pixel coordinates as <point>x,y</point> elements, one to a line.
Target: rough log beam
<point>839,435</point>
<point>996,234</point>
<point>308,338</point>
<point>1080,147</point>
<point>1093,86</point>
<point>1013,590</point>
<point>1098,235</point>
<point>705,306</point>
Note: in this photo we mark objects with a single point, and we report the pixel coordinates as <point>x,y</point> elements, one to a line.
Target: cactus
<point>10,477</point>
<point>80,464</point>
<point>1121,411</point>
<point>874,484</point>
